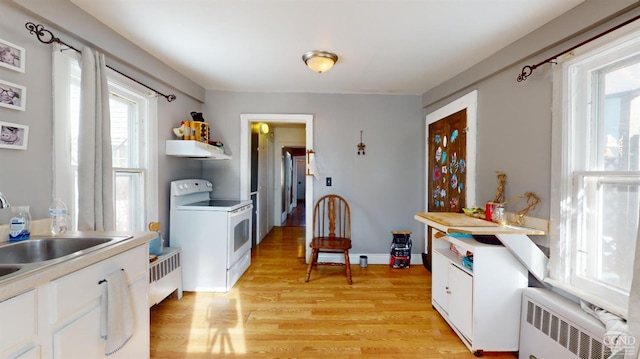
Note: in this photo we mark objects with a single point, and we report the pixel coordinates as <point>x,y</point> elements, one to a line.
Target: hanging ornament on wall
<point>361,145</point>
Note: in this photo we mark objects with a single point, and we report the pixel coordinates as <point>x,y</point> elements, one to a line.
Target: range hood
<point>195,150</point>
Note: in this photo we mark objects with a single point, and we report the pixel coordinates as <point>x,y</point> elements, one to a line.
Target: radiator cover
<point>552,326</point>
<point>165,275</point>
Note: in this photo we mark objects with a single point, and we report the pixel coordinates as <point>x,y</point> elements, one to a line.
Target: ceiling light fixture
<point>320,61</point>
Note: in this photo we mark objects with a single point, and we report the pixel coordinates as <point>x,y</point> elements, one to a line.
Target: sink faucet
<point>4,203</point>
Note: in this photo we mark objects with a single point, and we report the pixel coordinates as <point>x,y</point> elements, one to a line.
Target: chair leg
<point>312,260</point>
<point>348,265</point>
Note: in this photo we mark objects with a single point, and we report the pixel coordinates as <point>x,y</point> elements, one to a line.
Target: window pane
<point>606,247</point>
<point>621,116</point>
<point>120,131</point>
<point>129,201</point>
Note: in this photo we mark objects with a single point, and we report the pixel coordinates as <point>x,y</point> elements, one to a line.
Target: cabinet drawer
<point>80,290</point>
<point>18,323</point>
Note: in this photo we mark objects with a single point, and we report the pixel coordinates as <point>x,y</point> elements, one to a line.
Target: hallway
<point>297,217</point>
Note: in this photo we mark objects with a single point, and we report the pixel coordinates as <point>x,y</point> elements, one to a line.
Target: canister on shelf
<point>498,214</point>
<point>488,211</point>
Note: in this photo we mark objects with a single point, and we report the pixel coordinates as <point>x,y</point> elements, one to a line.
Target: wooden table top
<point>461,223</point>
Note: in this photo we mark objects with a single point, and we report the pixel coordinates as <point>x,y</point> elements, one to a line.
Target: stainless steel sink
<point>44,249</point>
<point>8,270</point>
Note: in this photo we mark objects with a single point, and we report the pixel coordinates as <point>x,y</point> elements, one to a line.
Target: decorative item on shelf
<point>499,202</point>
<point>199,128</point>
<point>532,203</point>
<point>361,146</point>
<point>217,144</point>
<point>475,212</point>
<point>502,178</point>
<point>183,130</point>
<point>320,61</point>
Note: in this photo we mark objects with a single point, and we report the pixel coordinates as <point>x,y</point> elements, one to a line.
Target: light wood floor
<point>272,313</point>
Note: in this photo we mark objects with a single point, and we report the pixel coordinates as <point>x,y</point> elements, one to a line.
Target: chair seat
<point>330,243</point>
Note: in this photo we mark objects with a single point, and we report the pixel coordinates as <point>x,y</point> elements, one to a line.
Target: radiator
<point>552,327</point>
<point>165,276</point>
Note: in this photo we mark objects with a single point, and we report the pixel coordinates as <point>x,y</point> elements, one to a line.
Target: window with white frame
<point>596,169</point>
<point>133,133</point>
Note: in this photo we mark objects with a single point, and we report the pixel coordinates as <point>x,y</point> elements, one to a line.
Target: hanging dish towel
<point>116,317</point>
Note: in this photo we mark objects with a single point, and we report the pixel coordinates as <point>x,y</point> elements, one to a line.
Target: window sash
<point>589,203</point>
<point>603,253</point>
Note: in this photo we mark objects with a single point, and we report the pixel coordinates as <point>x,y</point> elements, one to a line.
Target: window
<point>597,170</point>
<point>133,140</point>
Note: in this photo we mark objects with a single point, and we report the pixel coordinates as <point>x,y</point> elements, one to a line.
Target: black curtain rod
<point>528,70</point>
<point>42,34</point>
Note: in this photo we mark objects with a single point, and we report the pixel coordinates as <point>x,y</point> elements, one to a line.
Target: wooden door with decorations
<point>447,163</point>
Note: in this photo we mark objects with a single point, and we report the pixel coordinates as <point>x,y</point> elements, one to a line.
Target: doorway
<point>246,121</point>
<point>293,214</point>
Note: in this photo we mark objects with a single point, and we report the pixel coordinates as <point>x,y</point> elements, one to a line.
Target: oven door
<point>239,234</point>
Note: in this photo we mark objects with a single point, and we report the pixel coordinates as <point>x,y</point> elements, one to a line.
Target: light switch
<point>328,181</point>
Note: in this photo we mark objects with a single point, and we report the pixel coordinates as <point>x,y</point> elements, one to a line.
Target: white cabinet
<point>76,304</point>
<point>461,300</point>
<point>452,290</point>
<point>481,302</point>
<point>18,326</point>
<point>481,305</point>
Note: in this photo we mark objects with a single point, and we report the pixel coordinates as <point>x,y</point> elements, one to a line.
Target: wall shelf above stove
<point>195,150</point>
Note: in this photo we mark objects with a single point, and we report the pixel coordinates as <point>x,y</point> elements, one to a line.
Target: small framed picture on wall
<point>12,56</point>
<point>13,136</point>
<point>12,95</point>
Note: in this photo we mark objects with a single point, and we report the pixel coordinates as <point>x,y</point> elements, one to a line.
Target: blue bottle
<point>20,223</point>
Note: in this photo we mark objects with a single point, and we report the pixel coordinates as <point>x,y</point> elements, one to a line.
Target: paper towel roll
<point>313,169</point>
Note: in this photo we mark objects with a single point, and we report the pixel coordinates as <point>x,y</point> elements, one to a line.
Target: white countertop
<point>12,285</point>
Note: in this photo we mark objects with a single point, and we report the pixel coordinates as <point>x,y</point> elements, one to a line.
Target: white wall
<point>384,187</point>
<point>514,118</point>
<point>26,175</point>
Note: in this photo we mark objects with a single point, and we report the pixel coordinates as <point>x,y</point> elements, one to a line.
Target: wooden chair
<point>331,231</point>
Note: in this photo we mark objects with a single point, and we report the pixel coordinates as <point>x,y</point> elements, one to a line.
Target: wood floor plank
<point>273,313</point>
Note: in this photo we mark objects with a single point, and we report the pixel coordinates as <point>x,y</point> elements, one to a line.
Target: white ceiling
<point>384,46</point>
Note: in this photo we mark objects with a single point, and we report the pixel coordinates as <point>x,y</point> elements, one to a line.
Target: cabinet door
<point>81,338</point>
<point>440,280</point>
<point>461,300</point>
<point>18,322</point>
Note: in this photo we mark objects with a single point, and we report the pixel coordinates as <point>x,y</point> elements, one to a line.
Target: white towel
<point>116,317</point>
<point>617,330</point>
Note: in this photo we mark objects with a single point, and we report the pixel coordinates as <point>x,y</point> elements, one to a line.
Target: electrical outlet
<point>328,181</point>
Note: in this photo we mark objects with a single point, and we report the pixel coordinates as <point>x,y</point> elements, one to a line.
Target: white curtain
<point>63,184</point>
<point>634,303</point>
<point>95,170</point>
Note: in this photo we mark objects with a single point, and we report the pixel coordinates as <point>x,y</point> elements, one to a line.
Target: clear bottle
<point>20,223</point>
<point>58,214</point>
